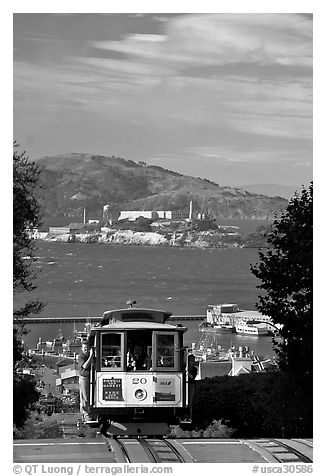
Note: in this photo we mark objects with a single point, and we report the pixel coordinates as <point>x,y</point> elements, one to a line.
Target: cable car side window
<point>111,351</point>
<point>165,351</point>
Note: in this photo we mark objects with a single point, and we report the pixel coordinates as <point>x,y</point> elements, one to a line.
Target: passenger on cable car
<point>137,359</point>
<point>165,361</point>
<point>116,360</point>
<point>192,373</point>
<point>85,359</point>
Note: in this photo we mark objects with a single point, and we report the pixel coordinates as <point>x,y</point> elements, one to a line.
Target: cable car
<point>138,382</point>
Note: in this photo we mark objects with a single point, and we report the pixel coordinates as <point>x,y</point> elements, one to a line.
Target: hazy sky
<point>227,97</point>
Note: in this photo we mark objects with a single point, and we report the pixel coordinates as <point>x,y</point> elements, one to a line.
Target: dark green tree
<point>286,274</point>
<point>204,225</point>
<point>143,224</point>
<point>258,405</point>
<point>26,216</point>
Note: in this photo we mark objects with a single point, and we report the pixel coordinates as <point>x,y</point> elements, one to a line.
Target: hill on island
<point>272,190</point>
<point>72,182</point>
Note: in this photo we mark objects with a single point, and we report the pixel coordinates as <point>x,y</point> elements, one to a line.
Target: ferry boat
<point>82,334</point>
<point>218,327</point>
<point>223,318</point>
<point>251,328</point>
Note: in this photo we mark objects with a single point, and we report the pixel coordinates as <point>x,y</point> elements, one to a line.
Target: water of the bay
<point>88,279</point>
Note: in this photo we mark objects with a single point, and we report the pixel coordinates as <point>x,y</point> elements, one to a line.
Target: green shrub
<point>39,426</point>
<point>255,405</point>
<point>25,397</point>
<point>216,429</point>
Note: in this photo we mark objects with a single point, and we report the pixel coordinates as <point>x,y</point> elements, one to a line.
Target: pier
<point>199,317</point>
<point>95,319</point>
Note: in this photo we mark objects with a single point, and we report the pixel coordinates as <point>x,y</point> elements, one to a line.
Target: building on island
<point>71,229</point>
<point>59,230</point>
<point>132,215</point>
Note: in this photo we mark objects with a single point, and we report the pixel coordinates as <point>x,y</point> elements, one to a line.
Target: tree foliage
<point>204,225</point>
<point>26,215</point>
<point>286,274</point>
<point>26,210</point>
<point>257,405</point>
<point>39,426</point>
<point>25,395</point>
<point>141,224</point>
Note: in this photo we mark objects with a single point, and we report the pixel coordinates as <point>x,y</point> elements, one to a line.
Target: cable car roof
<point>140,325</point>
<point>138,315</point>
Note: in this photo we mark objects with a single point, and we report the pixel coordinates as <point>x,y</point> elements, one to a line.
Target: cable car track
<point>122,451</point>
<point>162,451</point>
<point>149,450</point>
<point>282,452</point>
<point>291,450</point>
<point>304,442</point>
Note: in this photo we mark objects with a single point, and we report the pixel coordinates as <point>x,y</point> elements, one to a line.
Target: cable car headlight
<point>140,394</point>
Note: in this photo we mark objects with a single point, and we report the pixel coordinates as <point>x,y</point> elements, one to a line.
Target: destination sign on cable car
<point>112,389</point>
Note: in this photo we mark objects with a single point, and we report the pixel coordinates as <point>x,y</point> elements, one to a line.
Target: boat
<point>208,350</point>
<point>217,327</point>
<point>72,346</point>
<point>81,335</point>
<point>251,328</point>
<point>61,345</point>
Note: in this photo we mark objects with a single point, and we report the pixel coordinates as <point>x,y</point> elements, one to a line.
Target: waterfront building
<point>64,364</point>
<point>233,366</point>
<point>67,382</point>
<point>231,314</point>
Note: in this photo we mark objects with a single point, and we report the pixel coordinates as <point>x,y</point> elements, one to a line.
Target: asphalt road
<point>72,450</point>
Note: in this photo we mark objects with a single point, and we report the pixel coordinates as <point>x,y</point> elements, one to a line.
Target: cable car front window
<point>111,351</point>
<point>139,350</point>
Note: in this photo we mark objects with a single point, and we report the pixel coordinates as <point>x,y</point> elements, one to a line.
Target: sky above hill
<point>226,97</point>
